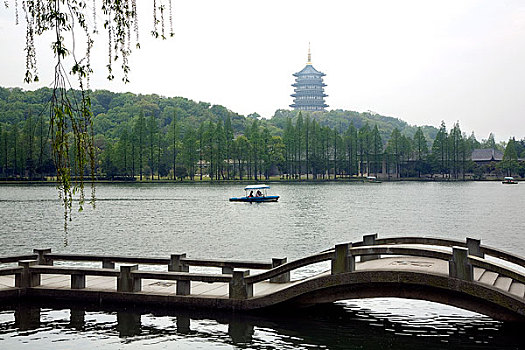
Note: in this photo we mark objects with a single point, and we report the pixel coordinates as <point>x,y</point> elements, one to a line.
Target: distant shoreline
<point>237,181</point>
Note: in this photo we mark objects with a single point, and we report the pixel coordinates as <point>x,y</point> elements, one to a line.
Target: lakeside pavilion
<point>309,88</point>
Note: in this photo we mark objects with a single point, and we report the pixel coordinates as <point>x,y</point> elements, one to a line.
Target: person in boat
<point>251,194</point>
<point>259,193</point>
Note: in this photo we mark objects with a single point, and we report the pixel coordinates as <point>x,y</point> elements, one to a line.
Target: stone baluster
<point>227,270</point>
<point>342,261</point>
<point>474,249</point>
<point>108,264</point>
<point>42,259</point>
<point>27,279</point>
<point>126,282</point>
<point>238,288</point>
<point>176,264</point>
<point>369,240</point>
<point>459,267</point>
<point>78,281</point>
<point>282,278</point>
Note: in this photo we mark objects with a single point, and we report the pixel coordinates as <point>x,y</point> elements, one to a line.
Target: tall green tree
<point>510,158</point>
<point>440,151</point>
<point>420,151</point>
<point>351,150</point>
<point>376,150</point>
<point>153,132</point>
<point>190,151</point>
<point>393,150</point>
<point>363,143</point>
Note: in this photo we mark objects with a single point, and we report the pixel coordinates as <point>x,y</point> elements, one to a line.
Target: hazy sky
<point>420,61</point>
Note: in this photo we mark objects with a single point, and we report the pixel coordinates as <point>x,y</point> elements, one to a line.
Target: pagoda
<point>309,88</point>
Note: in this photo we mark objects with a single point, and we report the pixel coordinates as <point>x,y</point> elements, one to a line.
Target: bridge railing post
<point>183,287</point>
<point>369,240</point>
<point>108,264</point>
<point>459,267</point>
<point>42,259</point>
<point>238,288</point>
<point>78,281</point>
<point>282,278</point>
<point>126,282</point>
<point>27,279</point>
<point>342,261</point>
<point>227,270</point>
<point>176,264</point>
<point>473,246</point>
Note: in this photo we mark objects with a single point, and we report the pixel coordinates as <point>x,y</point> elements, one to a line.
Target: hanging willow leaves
<point>71,120</point>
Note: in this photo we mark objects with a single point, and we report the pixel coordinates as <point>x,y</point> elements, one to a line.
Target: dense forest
<point>150,137</point>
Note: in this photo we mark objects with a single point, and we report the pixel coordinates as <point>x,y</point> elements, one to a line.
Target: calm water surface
<point>160,219</point>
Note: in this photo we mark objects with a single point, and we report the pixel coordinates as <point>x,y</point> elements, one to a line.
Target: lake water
<point>197,219</point>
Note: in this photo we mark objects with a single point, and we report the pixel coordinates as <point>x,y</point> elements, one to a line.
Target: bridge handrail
<point>501,254</point>
<point>16,258</point>
<point>158,260</point>
<point>10,270</point>
<point>390,250</point>
<point>292,265</point>
<point>66,270</point>
<point>227,263</point>
<point>383,250</point>
<point>444,242</point>
<point>430,253</point>
<point>181,276</point>
<point>116,259</point>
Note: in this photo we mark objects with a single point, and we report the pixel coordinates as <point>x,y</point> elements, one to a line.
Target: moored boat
<point>372,179</point>
<point>260,195</point>
<point>509,180</point>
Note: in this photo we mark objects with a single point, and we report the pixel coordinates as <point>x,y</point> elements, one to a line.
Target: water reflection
<point>332,326</point>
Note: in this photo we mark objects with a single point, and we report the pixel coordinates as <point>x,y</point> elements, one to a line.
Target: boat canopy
<point>256,187</point>
<point>509,178</point>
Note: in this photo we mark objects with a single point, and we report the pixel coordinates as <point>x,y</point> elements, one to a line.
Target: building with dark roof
<point>309,88</point>
<point>485,156</point>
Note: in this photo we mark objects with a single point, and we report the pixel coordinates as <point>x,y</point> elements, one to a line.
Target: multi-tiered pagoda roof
<point>309,88</point>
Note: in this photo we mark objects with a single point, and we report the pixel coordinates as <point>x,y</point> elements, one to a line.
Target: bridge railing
<point>462,258</point>
<point>176,262</point>
<point>474,246</point>
<point>128,277</point>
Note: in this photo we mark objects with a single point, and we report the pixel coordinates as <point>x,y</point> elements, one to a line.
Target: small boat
<point>509,180</point>
<point>372,179</point>
<point>258,196</point>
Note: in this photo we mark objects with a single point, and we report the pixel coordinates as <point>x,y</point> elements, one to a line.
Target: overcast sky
<point>420,61</point>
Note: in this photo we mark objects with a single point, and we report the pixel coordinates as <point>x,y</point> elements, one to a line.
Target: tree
<point>420,150</point>
<point>299,126</point>
<point>455,140</point>
<point>152,137</point>
<point>393,150</point>
<point>189,154</point>
<point>70,115</point>
<point>139,131</point>
<point>363,145</point>
<point>376,150</point>
<point>489,142</point>
<point>510,158</point>
<point>289,141</point>
<point>351,149</point>
<point>228,134</point>
<point>440,151</point>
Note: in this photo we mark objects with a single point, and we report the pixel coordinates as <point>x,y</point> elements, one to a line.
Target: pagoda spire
<point>309,55</point>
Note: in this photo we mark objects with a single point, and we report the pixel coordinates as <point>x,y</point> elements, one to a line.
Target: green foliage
<point>139,137</point>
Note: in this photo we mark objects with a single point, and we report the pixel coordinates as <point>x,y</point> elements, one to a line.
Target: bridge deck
<point>220,290</point>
